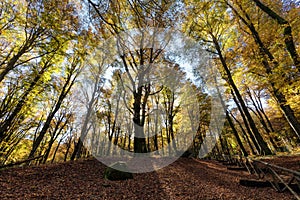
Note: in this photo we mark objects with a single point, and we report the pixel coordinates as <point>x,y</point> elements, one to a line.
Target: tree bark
<point>8,122</point>
<point>266,54</point>
<point>245,136</point>
<point>287,32</point>
<point>235,133</point>
<point>264,149</point>
<point>56,149</point>
<point>65,90</point>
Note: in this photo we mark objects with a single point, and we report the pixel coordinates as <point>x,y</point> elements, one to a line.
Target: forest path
<point>185,179</point>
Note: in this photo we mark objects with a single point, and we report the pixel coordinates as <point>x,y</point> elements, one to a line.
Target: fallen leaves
<point>184,179</point>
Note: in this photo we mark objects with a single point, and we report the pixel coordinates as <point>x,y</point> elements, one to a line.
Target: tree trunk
<point>68,149</point>
<point>253,152</point>
<point>139,136</point>
<point>264,149</point>
<point>235,133</point>
<point>287,32</point>
<point>8,122</point>
<point>266,54</point>
<point>65,90</point>
<point>56,149</point>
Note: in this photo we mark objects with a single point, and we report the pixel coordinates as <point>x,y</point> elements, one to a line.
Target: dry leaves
<point>184,179</point>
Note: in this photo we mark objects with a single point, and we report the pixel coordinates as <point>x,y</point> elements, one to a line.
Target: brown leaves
<point>184,179</point>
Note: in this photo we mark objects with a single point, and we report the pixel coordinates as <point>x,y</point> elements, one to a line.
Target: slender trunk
<point>116,140</point>
<point>162,140</point>
<point>287,32</point>
<point>245,135</point>
<point>56,149</point>
<point>84,130</point>
<point>65,90</point>
<point>217,151</point>
<point>261,119</point>
<point>56,132</point>
<point>8,122</point>
<point>79,147</point>
<point>68,149</point>
<point>235,133</point>
<point>156,125</point>
<point>262,111</point>
<point>257,147</point>
<point>46,155</point>
<point>124,142</point>
<point>148,132</point>
<point>267,55</point>
<point>129,136</point>
<point>264,150</point>
<point>171,122</point>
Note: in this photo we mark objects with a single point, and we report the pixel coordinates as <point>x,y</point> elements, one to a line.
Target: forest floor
<point>184,179</point>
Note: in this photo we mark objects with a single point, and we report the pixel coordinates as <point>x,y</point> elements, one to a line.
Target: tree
<point>72,72</point>
<point>287,32</point>
<point>93,76</point>
<point>136,63</point>
<point>41,34</point>
<point>28,65</point>
<point>215,24</point>
<point>270,64</point>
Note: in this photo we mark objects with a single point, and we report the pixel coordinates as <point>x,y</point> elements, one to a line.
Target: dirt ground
<point>184,179</point>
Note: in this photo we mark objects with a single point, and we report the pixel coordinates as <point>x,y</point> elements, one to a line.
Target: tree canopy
<point>93,77</point>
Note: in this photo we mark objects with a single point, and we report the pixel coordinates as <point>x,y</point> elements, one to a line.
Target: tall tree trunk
<point>79,147</point>
<point>139,135</point>
<point>8,122</point>
<point>259,104</point>
<point>235,133</point>
<point>156,124</point>
<point>246,123</point>
<point>267,55</point>
<point>224,146</point>
<point>56,132</point>
<point>68,148</point>
<point>264,149</point>
<point>253,152</point>
<point>261,119</point>
<point>287,32</point>
<point>65,90</point>
<point>56,149</point>
<point>148,132</point>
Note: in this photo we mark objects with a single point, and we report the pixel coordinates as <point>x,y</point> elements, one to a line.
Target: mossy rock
<point>117,171</point>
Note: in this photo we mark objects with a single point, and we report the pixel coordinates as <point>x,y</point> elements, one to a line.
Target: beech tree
<point>216,26</point>
<point>57,101</point>
<point>270,64</point>
<point>136,63</point>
